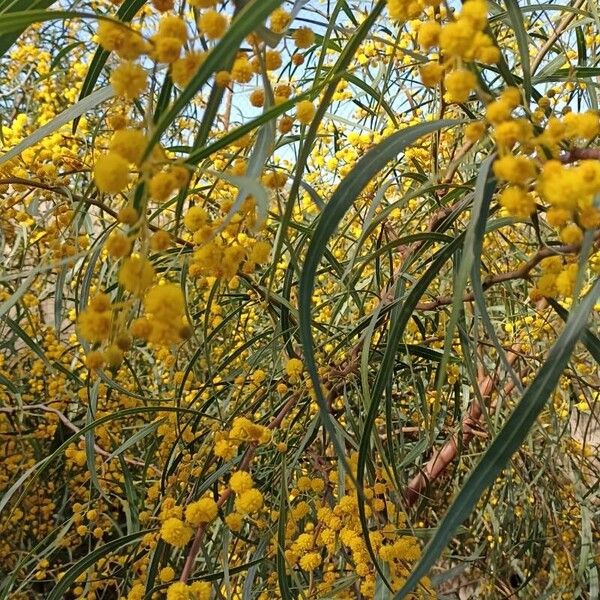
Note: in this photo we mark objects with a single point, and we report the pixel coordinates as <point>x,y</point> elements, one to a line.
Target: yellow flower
<point>459,84</point>
<point>234,521</point>
<point>294,368</point>
<point>94,360</point>
<point>212,24</point>
<point>166,574</point>
<point>163,5</point>
<point>305,111</point>
<point>249,502</point>
<point>242,69</point>
<point>431,74</point>
<point>175,532</point>
<point>118,245</point>
<point>257,98</point>
<point>280,19</point>
<point>129,144</point>
<point>310,561</point>
<point>517,202</point>
<point>161,186</point>
<point>165,302</point>
<point>571,234</point>
<point>456,38</point>
<point>429,34</point>
<point>272,60</point>
<point>304,37</point>
<point>204,510</point>
<point>94,326</point>
<point>183,69</point>
<point>173,26</point>
<point>136,274</point>
<point>166,49</point>
<point>128,80</point>
<point>514,169</point>
<point>128,44</point>
<point>240,481</point>
<point>111,173</point>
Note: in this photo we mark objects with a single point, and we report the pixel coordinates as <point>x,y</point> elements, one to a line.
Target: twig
<point>70,425</point>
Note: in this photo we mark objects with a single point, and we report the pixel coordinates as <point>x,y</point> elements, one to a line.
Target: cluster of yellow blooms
<point>531,164</point>
<point>460,41</point>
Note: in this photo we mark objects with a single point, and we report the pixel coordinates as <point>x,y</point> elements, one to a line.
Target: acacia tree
<point>299,299</point>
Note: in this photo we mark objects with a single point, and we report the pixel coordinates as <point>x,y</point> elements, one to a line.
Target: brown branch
<point>580,154</point>
<point>61,191</point>
<point>520,273</point>
<point>564,23</point>
<point>70,425</point>
<point>443,457</point>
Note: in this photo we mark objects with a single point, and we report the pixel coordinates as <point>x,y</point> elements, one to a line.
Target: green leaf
<point>508,440</point>
<point>13,6</point>
<point>516,18</point>
<point>18,21</point>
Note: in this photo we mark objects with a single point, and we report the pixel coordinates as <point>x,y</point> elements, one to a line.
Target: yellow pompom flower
<point>514,169</point>
<point>173,26</point>
<point>118,245</point>
<point>234,521</point>
<point>212,24</point>
<point>517,202</point>
<point>111,173</point>
<point>160,240</point>
<point>294,368</point>
<point>456,38</point>
<point>183,69</point>
<point>305,111</point>
<point>201,590</point>
<point>175,532</point>
<point>475,130</point>
<point>459,84</point>
<point>166,49</point>
<point>304,37</point>
<point>240,481</point>
<point>165,302</point>
<point>257,98</point>
<point>166,574</point>
<point>161,186</point>
<point>403,10</point>
<point>204,510</point>
<point>136,274</point>
<point>571,234</point>
<point>195,218</point>
<point>431,74</point>
<point>242,70</point>
<point>429,34</point>
<point>272,60</point>
<point>94,360</point>
<point>129,80</point>
<point>279,21</point>
<point>249,502</point>
<point>122,40</point>
<point>202,3</point>
<point>128,143</point>
<point>310,561</point>
<point>163,5</point>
